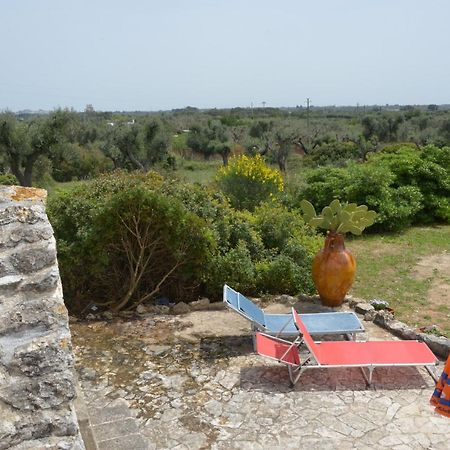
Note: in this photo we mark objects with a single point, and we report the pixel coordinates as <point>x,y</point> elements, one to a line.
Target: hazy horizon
<point>151,56</point>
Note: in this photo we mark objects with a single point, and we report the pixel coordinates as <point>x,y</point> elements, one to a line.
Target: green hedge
<point>403,184</point>
<point>101,226</point>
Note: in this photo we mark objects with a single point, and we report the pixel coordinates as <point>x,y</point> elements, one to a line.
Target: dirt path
<point>436,268</point>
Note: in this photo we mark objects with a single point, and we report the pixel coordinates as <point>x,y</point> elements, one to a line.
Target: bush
<point>369,184</point>
<point>8,179</point>
<point>101,224</point>
<point>333,153</point>
<point>322,185</point>
<point>278,225</point>
<point>404,184</point>
<point>73,161</point>
<point>121,242</point>
<point>248,181</point>
<point>375,187</point>
<point>283,274</point>
<point>270,241</point>
<point>235,268</point>
<point>426,170</point>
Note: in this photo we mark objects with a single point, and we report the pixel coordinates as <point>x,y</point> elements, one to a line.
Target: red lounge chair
<point>340,354</point>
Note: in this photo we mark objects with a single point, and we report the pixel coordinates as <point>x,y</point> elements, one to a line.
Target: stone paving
<point>193,382</point>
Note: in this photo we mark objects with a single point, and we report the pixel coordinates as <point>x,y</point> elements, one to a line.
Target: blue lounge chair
<point>333,323</point>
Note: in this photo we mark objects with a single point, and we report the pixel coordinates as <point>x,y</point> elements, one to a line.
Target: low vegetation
<point>409,270</point>
<point>175,204</point>
<point>127,238</point>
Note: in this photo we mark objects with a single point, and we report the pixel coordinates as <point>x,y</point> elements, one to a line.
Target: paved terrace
<point>193,382</point>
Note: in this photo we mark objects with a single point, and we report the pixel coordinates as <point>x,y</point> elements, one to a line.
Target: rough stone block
<point>383,318</point>
<point>42,356</point>
<point>181,308</point>
<point>439,345</point>
<point>402,330</point>
<point>41,282</point>
<point>15,428</point>
<point>25,314</point>
<point>370,315</point>
<point>33,259</point>
<point>46,392</point>
<point>9,283</point>
<point>14,234</point>
<point>22,215</point>
<point>203,303</point>
<point>363,308</point>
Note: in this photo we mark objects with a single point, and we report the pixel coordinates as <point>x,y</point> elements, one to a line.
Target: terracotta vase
<point>333,270</point>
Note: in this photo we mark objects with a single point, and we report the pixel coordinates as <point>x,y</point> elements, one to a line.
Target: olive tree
<point>23,143</point>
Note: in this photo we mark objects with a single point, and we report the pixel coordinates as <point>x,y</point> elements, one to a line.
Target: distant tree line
<point>65,145</point>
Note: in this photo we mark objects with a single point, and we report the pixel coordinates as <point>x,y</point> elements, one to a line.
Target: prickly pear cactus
<point>339,218</point>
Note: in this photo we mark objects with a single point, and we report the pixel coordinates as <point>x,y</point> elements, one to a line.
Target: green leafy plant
<point>339,218</point>
<point>248,181</point>
<point>8,179</point>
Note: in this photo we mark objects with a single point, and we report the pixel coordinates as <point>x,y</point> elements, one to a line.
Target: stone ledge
<point>20,194</point>
<point>440,345</point>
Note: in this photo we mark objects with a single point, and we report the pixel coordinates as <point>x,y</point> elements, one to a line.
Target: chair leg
<point>291,376</point>
<point>295,377</point>
<point>368,378</point>
<point>254,330</point>
<point>302,369</point>
<point>432,374</point>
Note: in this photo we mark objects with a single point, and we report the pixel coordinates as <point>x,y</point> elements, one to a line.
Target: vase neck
<point>334,241</point>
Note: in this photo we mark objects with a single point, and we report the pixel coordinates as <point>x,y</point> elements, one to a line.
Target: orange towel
<point>441,395</point>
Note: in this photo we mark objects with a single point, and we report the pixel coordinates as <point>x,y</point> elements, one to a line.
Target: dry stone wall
<point>36,363</point>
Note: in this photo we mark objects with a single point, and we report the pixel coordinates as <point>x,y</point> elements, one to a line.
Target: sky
<point>158,55</point>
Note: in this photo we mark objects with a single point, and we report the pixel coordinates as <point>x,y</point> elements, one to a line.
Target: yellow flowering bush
<point>248,180</point>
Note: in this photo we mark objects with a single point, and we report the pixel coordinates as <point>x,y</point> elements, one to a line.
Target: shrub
<point>277,225</point>
<point>283,274</point>
<point>248,181</point>
<point>73,161</point>
<point>8,179</point>
<point>374,186</point>
<point>260,245</point>
<point>369,184</point>
<point>426,170</point>
<point>402,183</point>
<point>121,242</point>
<point>100,226</point>
<point>322,185</point>
<point>333,153</point>
<point>235,268</point>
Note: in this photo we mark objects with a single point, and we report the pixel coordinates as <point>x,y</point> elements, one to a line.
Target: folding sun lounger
<point>334,323</point>
<point>332,354</point>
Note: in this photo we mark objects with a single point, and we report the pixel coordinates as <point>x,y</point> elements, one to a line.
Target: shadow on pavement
<point>276,379</point>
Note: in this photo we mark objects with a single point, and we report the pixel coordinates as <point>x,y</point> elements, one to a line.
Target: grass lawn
<point>410,270</point>
<point>56,187</point>
<point>194,171</point>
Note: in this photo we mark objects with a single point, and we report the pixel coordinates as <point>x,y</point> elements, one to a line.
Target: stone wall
<point>37,386</point>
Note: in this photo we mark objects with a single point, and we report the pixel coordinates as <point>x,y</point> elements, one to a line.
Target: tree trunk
<point>15,168</point>
<point>302,146</point>
<point>282,164</point>
<point>28,171</point>
<point>225,155</point>
<point>135,161</point>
